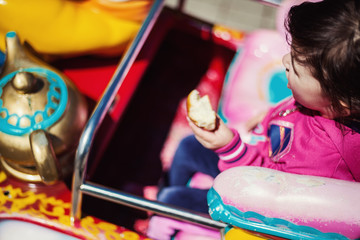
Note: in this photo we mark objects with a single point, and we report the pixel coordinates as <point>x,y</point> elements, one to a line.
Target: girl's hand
<point>212,139</point>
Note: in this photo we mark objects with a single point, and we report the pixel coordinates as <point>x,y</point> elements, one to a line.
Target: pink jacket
<point>297,143</point>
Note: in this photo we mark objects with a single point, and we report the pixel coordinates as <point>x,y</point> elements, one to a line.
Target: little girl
<point>316,132</point>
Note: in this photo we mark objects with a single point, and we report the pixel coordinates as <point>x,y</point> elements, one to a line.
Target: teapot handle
<point>46,162</point>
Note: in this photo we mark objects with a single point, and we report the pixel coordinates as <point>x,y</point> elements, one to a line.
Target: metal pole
<point>103,106</point>
<point>130,200</point>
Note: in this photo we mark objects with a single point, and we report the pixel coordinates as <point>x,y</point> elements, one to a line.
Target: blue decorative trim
<point>11,34</point>
<point>258,223</point>
<point>57,98</point>
<point>2,59</point>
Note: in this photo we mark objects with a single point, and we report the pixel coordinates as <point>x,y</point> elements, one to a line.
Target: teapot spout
<point>19,56</point>
<point>14,50</point>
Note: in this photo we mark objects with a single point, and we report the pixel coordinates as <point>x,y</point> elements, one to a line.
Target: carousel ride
<point>89,125</point>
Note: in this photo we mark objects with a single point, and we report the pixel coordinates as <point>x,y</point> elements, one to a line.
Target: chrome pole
<point>102,107</point>
<point>133,201</point>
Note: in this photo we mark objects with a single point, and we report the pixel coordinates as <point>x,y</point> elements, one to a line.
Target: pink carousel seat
<point>286,205</point>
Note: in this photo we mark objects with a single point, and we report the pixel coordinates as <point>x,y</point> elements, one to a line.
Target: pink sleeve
<point>238,153</point>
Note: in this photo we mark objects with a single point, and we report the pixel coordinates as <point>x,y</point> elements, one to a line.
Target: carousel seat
<point>286,205</point>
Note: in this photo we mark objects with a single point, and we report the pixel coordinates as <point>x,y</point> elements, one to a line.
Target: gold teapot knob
<point>26,82</point>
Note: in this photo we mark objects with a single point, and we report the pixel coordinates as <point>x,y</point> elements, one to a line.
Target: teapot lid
<point>57,98</point>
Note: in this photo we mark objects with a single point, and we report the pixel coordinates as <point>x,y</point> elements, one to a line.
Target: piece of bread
<point>200,111</point>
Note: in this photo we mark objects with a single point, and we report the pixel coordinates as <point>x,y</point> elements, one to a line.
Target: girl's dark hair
<point>325,36</point>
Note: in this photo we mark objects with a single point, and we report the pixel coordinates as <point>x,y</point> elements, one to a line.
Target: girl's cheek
<point>288,81</point>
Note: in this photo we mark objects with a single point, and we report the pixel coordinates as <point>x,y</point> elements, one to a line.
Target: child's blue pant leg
<point>186,197</point>
<point>192,157</point>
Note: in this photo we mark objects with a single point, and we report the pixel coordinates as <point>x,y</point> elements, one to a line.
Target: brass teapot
<point>42,115</point>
